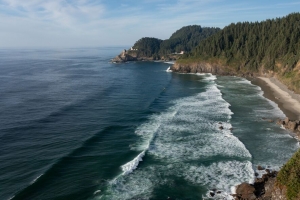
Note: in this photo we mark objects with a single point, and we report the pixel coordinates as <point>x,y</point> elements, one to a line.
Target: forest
<point>184,39</point>
<point>271,46</point>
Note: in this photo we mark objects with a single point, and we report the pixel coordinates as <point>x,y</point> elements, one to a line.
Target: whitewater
<point>73,125</point>
<point>189,144</point>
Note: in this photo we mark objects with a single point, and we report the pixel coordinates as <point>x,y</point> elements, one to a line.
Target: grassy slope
<point>289,176</point>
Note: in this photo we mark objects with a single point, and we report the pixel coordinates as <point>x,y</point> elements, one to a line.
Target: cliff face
<point>290,79</point>
<point>265,187</point>
<point>284,185</point>
<point>200,67</point>
<point>125,56</point>
<point>206,67</point>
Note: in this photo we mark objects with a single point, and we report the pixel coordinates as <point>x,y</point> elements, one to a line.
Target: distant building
<point>132,49</point>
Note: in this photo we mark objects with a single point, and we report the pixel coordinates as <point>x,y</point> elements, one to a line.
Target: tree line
<point>184,39</point>
<point>269,46</point>
<point>254,45</point>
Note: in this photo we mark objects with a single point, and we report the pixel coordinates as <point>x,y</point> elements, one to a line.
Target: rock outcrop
<point>135,55</point>
<point>125,56</point>
<point>282,185</point>
<point>263,188</point>
<point>292,125</point>
<point>205,67</point>
<point>245,191</point>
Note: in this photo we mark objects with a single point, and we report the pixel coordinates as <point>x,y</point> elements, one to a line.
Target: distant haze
<point>81,23</point>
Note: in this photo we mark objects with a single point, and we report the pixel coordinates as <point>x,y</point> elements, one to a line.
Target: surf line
<point>132,165</point>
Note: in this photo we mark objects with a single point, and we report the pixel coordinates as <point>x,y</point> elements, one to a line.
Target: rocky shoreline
<point>129,55</point>
<point>266,187</point>
<point>205,67</point>
<point>291,125</point>
<point>262,188</point>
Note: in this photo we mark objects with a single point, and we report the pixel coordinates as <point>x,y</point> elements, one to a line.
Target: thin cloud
<point>91,22</point>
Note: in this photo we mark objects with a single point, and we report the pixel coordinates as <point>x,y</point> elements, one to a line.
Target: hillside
<point>288,178</point>
<point>184,39</point>
<point>270,47</point>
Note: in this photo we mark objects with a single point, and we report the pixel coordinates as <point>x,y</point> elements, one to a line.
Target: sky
<point>95,23</point>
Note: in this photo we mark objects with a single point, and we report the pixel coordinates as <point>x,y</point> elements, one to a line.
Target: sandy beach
<point>287,100</point>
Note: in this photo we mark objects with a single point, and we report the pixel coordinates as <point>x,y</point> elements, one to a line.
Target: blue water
<point>75,126</point>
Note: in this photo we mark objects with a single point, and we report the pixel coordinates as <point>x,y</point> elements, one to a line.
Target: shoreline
<point>289,103</point>
<point>287,100</point>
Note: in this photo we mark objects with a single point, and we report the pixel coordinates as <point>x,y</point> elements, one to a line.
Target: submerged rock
<point>260,167</point>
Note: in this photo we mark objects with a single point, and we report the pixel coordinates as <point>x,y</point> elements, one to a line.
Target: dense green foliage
<point>184,39</point>
<point>250,46</point>
<point>148,46</point>
<point>289,176</point>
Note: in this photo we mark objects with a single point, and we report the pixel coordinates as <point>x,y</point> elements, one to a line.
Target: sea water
<point>75,126</point>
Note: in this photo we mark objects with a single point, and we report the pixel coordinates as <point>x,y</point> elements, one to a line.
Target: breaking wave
<point>192,141</point>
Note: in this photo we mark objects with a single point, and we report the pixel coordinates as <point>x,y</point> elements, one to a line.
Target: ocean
<point>73,125</point>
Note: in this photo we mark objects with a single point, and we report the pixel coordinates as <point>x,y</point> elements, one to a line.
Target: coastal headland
<point>268,186</point>
<point>267,53</point>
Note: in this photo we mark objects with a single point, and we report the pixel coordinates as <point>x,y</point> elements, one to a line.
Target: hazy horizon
<point>90,23</point>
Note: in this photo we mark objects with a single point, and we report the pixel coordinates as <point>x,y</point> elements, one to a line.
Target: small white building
<point>132,49</point>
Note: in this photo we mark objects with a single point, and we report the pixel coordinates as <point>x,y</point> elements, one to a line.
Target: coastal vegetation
<point>270,47</point>
<point>148,47</point>
<point>289,177</point>
<point>184,39</point>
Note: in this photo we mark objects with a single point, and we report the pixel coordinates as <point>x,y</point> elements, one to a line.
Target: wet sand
<point>287,100</point>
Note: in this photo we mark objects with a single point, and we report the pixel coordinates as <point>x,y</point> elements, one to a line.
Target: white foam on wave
<point>276,111</point>
<point>36,178</point>
<point>244,81</point>
<point>169,69</point>
<point>221,175</point>
<point>147,133</point>
<point>259,110</point>
<point>97,192</point>
<point>186,133</point>
<point>11,198</point>
<point>170,62</point>
<point>201,74</point>
<point>132,165</point>
<point>207,76</point>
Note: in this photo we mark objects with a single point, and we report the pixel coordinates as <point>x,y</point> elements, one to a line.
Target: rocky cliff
<point>135,55</point>
<point>292,125</point>
<point>206,67</point>
<point>125,56</point>
<point>262,189</point>
<point>282,185</point>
